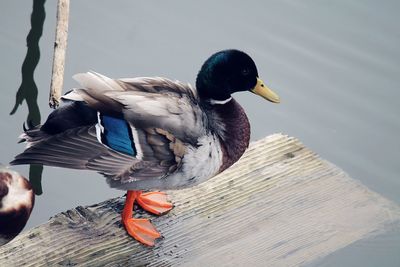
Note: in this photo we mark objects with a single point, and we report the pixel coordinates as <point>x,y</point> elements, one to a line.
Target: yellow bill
<point>262,90</point>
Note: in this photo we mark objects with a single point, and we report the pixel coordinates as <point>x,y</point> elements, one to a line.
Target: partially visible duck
<point>151,133</point>
<point>16,203</point>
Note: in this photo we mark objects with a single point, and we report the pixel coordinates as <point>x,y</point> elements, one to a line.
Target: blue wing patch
<point>117,135</point>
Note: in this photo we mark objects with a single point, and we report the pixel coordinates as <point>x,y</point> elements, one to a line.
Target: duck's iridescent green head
<point>230,71</point>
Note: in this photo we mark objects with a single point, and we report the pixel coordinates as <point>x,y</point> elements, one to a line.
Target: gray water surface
<point>335,64</point>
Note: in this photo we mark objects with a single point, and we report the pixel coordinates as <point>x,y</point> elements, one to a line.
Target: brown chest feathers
<point>233,129</point>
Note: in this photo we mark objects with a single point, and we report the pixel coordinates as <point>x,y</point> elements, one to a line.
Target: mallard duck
<point>151,133</point>
<point>16,203</point>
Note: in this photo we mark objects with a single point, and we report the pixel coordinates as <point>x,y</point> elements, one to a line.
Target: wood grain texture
<point>280,205</point>
<point>60,47</point>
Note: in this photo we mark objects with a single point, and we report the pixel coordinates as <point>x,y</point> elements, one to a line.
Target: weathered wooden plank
<point>280,205</point>
<point>60,47</point>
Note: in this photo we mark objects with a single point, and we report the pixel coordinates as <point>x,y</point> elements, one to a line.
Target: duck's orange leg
<point>140,229</point>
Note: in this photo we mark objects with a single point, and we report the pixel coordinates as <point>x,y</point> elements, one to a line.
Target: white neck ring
<point>219,102</point>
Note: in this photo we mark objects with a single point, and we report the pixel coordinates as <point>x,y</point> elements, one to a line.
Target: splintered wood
<point>280,205</point>
<point>60,47</point>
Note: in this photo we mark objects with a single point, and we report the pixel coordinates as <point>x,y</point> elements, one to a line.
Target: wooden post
<point>60,46</point>
<point>280,205</point>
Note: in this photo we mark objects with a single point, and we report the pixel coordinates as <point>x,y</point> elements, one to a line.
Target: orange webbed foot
<point>142,230</point>
<point>154,202</point>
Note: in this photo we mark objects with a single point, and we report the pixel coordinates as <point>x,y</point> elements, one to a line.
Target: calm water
<point>335,64</point>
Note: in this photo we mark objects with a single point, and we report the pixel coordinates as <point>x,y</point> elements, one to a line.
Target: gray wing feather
<point>78,148</point>
<point>145,102</point>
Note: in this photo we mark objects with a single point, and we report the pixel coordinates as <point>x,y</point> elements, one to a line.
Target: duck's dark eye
<point>245,72</point>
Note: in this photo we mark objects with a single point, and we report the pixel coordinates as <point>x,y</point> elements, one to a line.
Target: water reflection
<point>28,90</point>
